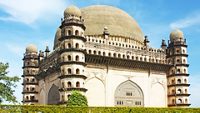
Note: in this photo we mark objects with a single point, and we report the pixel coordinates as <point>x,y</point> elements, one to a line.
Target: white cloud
<point>16,49</point>
<point>29,11</point>
<point>193,19</point>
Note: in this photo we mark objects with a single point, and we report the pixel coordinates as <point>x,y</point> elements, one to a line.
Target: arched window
<point>77,71</point>
<point>77,45</point>
<point>114,55</point>
<point>119,55</point>
<point>69,71</point>
<point>109,54</point>
<point>63,85</point>
<point>179,101</point>
<point>179,91</point>
<point>69,84</point>
<point>32,89</point>
<point>69,32</point>
<point>128,56</point>
<point>33,80</point>
<point>104,54</point>
<point>95,52</point>
<point>90,51</point>
<point>27,89</point>
<point>184,70</point>
<point>63,98</point>
<point>27,98</point>
<point>178,71</point>
<point>186,101</point>
<point>173,101</point>
<point>186,91</point>
<point>76,32</point>
<point>179,81</point>
<point>68,96</point>
<point>77,84</point>
<point>132,57</point>
<point>27,80</point>
<point>99,52</point>
<point>69,58</point>
<point>185,80</point>
<point>69,45</point>
<point>77,58</point>
<point>123,56</point>
<point>173,91</point>
<point>32,97</point>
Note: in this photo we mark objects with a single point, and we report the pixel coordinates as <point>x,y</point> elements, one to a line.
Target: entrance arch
<point>129,93</point>
<point>53,95</point>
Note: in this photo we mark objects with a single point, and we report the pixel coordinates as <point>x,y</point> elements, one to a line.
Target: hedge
<point>64,109</point>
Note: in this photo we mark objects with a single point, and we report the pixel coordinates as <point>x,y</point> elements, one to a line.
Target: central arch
<point>129,93</point>
<point>53,95</point>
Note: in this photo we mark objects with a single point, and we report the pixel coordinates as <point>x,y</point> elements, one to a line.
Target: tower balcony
<point>73,62</point>
<point>178,74</point>
<point>179,105</point>
<point>177,95</point>
<point>72,76</point>
<point>73,37</point>
<point>180,84</point>
<point>71,22</point>
<point>73,50</point>
<point>72,89</point>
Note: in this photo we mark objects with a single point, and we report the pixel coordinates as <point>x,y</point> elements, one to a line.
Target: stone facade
<point>110,67</point>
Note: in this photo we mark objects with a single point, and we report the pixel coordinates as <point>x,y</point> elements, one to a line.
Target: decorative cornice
<point>181,84</point>
<point>73,37</point>
<point>30,83</point>
<point>72,50</point>
<point>178,74</point>
<point>173,55</point>
<point>71,23</point>
<point>182,94</point>
<point>72,88</point>
<point>28,75</point>
<point>30,101</point>
<point>29,92</point>
<point>72,76</point>
<point>126,63</point>
<point>30,67</point>
<point>72,62</point>
<point>178,104</point>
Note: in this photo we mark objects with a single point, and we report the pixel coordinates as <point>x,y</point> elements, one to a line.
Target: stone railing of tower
<point>149,52</point>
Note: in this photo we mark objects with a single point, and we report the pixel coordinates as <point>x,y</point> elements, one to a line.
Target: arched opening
<point>173,101</point>
<point>69,58</point>
<point>90,51</point>
<point>179,101</point>
<point>69,71</point>
<point>32,89</point>
<point>186,91</point>
<point>76,32</point>
<point>186,101</point>
<point>78,84</point>
<point>77,71</point>
<point>77,58</point>
<point>119,55</point>
<point>95,52</point>
<point>27,79</point>
<point>69,84</point>
<point>33,80</point>
<point>27,89</point>
<point>68,96</point>
<point>179,81</point>
<point>69,32</point>
<point>99,52</point>
<point>185,80</point>
<point>63,98</point>
<point>104,54</point>
<point>114,55</point>
<point>53,95</point>
<point>128,56</point>
<point>27,98</point>
<point>69,45</point>
<point>77,45</point>
<point>129,94</point>
<point>179,91</point>
<point>109,54</point>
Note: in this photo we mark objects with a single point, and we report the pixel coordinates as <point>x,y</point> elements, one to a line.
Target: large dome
<point>118,22</point>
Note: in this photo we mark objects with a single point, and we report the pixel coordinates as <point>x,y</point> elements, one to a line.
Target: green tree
<point>7,84</point>
<point>77,100</point>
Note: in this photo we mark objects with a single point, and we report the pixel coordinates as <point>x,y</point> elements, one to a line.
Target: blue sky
<point>35,21</point>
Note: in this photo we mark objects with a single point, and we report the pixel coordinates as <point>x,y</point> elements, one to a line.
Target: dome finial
<point>31,48</point>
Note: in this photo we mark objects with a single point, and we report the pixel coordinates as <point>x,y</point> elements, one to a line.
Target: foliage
<point>77,100</point>
<point>64,109</point>
<point>7,84</point>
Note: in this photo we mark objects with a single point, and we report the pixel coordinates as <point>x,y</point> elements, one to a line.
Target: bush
<point>77,100</point>
<point>64,109</point>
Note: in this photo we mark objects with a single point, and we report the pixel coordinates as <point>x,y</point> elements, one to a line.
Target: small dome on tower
<point>72,10</point>
<point>176,35</point>
<point>31,48</point>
